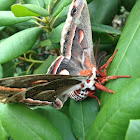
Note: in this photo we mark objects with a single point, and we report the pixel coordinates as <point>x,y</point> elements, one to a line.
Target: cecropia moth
<point>73,74</point>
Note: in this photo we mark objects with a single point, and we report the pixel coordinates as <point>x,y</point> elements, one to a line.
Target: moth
<point>73,74</point>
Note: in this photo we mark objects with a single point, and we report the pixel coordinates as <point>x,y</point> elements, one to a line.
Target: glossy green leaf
<point>106,34</point>
<point>3,134</point>
<point>39,3</point>
<point>59,120</point>
<point>1,28</point>
<point>46,64</point>
<point>28,10</point>
<point>7,18</point>
<point>88,1</point>
<point>59,6</point>
<point>46,42</point>
<point>49,4</point>
<point>112,121</point>
<point>109,48</point>
<point>8,69</point>
<point>1,71</point>
<point>21,122</point>
<point>127,59</point>
<point>103,11</point>
<point>10,30</point>
<point>55,38</point>
<point>18,44</point>
<point>24,25</point>
<point>133,131</point>
<point>128,4</point>
<point>82,115</point>
<point>64,12</point>
<point>6,4</point>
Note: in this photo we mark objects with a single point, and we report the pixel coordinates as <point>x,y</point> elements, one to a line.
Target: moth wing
<point>32,80</point>
<point>34,92</point>
<point>76,42</point>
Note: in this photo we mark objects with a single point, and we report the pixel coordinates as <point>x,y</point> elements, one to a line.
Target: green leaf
<point>133,131</point>
<point>39,3</point>
<point>46,42</point>
<point>46,64</point>
<point>28,10</point>
<point>24,25</point>
<point>6,4</point>
<point>59,7</point>
<point>8,69</point>
<point>21,122</point>
<point>128,4</point>
<point>106,34</point>
<point>18,44</point>
<point>103,11</point>
<point>112,121</point>
<point>1,28</point>
<point>127,59</point>
<point>49,4</point>
<point>7,18</point>
<point>82,115</point>
<point>1,71</point>
<point>64,12</point>
<point>3,134</point>
<point>59,120</point>
<point>55,38</point>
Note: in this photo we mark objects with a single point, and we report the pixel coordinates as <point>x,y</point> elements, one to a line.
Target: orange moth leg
<point>103,88</point>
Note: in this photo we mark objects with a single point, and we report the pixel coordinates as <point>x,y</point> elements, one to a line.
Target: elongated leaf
<point>1,28</point>
<point>44,67</point>
<point>28,10</point>
<point>3,134</point>
<point>8,18</point>
<point>55,38</point>
<point>83,114</point>
<point>46,42</point>
<point>60,5</point>
<point>106,34</point>
<point>8,69</point>
<point>133,132</point>
<point>6,4</point>
<point>103,11</point>
<point>39,3</point>
<point>128,4</point>
<point>25,25</point>
<point>64,12</point>
<point>59,120</point>
<point>127,59</point>
<point>1,71</point>
<point>113,119</point>
<point>26,124</point>
<point>18,44</point>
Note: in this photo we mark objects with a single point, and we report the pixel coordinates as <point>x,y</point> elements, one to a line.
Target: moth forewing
<point>53,87</point>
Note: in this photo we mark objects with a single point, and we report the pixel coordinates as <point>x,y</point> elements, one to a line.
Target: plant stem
<point>30,60</point>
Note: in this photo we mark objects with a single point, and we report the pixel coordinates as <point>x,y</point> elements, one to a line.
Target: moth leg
<point>90,94</point>
<point>105,66</point>
<point>104,80</point>
<point>114,77</point>
<point>103,88</point>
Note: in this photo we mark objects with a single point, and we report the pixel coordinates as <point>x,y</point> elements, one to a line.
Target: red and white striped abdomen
<point>86,86</point>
